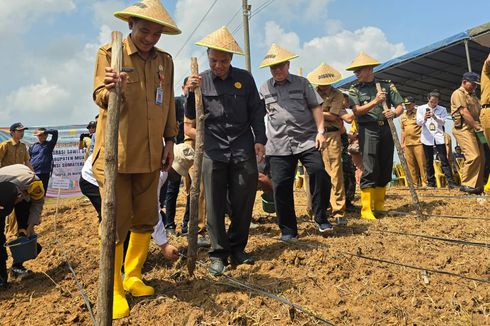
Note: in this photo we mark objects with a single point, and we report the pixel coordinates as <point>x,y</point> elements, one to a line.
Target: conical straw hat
<point>276,55</point>
<point>151,10</point>
<point>363,60</point>
<point>324,75</point>
<point>221,39</point>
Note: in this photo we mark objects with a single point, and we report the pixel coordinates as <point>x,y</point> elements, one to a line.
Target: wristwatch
<point>172,139</point>
<point>321,131</point>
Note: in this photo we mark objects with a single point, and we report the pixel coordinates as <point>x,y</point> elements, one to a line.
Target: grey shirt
<point>290,127</point>
<point>22,177</point>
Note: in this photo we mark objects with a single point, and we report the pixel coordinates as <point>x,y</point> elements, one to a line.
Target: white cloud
<point>16,16</point>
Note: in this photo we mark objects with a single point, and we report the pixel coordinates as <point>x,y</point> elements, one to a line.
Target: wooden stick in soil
<point>394,135</point>
<point>108,224</point>
<point>196,178</point>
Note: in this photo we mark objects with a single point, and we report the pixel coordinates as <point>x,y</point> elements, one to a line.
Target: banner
<point>67,158</point>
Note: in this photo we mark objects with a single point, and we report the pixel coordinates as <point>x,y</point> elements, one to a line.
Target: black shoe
<point>452,186</point>
<point>471,190</point>
<point>218,266</point>
<point>241,257</point>
<point>18,270</point>
<point>170,230</point>
<point>289,237</point>
<point>351,208</point>
<point>203,241</point>
<point>184,231</point>
<point>3,283</point>
<point>431,185</point>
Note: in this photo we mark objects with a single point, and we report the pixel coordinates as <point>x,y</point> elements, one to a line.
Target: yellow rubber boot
<point>120,307</point>
<point>366,197</point>
<point>139,244</point>
<point>487,186</point>
<point>379,198</point>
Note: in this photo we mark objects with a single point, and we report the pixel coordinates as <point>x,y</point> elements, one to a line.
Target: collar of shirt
<point>288,79</point>
<point>13,142</point>
<point>229,76</point>
<point>131,48</point>
<point>461,88</point>
<point>325,94</point>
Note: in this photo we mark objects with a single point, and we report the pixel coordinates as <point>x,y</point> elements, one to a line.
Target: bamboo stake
<point>108,224</point>
<point>196,178</point>
<point>394,135</point>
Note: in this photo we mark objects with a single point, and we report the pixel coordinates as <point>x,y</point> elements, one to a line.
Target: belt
<point>330,129</point>
<point>379,123</point>
<point>485,106</point>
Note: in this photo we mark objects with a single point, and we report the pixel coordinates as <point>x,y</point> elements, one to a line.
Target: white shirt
<point>87,173</point>
<point>432,132</point>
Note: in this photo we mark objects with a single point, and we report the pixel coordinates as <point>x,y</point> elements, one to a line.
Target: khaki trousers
<point>332,158</point>
<point>136,200</point>
<point>201,214</point>
<point>485,123</point>
<point>474,164</point>
<point>414,154</point>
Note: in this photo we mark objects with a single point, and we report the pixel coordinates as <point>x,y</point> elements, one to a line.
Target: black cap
<point>471,77</point>
<point>17,126</point>
<point>408,100</point>
<point>92,124</point>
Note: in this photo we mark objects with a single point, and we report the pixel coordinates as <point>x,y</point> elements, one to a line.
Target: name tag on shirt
<point>159,96</point>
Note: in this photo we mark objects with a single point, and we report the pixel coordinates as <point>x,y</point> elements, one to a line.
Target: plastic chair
<point>395,180</point>
<point>459,166</point>
<point>401,175</point>
<point>439,175</point>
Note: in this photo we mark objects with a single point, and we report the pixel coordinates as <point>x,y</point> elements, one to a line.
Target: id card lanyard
<point>159,92</point>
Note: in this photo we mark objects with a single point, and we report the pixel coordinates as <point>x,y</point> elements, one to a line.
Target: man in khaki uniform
<point>147,116</point>
<point>485,105</point>
<point>13,151</point>
<point>465,110</point>
<point>323,76</point>
<point>412,147</point>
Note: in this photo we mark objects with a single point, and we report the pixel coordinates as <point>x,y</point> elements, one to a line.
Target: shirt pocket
<point>213,108</point>
<point>297,101</point>
<point>236,106</point>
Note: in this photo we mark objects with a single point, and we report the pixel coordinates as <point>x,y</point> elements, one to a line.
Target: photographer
<point>86,139</point>
<point>431,117</point>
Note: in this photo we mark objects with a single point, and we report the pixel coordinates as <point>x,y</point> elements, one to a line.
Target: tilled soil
<point>322,274</point>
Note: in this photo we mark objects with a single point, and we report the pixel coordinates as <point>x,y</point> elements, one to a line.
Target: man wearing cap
<point>147,114</point>
<point>432,117</point>
<point>86,139</point>
<point>234,138</point>
<point>295,131</point>
<point>28,207</point>
<point>375,140</point>
<point>485,106</point>
<point>465,111</point>
<point>13,151</point>
<point>323,76</point>
<point>412,147</point>
<point>41,154</point>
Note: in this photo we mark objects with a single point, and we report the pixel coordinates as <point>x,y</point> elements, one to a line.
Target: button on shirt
<point>291,127</point>
<point>12,152</point>
<point>408,122</point>
<point>333,101</point>
<point>432,129</point>
<point>232,109</point>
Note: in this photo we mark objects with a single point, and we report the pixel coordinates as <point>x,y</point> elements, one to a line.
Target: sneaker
<point>241,257</point>
<point>324,227</point>
<point>203,241</point>
<point>218,266</point>
<point>471,190</point>
<point>18,270</point>
<point>341,221</point>
<point>288,237</point>
<point>170,230</point>
<point>452,186</point>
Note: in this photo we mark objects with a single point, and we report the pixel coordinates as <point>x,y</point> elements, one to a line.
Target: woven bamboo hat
<point>362,60</point>
<point>324,75</point>
<point>151,10</point>
<point>221,39</point>
<point>276,55</point>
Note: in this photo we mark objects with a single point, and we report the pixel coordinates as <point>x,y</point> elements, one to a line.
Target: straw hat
<point>151,10</point>
<point>276,55</point>
<point>183,158</point>
<point>221,39</point>
<point>362,60</point>
<point>324,75</point>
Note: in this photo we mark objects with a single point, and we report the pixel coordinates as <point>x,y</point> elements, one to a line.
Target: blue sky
<point>49,46</point>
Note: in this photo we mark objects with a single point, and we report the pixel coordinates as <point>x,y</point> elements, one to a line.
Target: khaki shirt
<point>13,153</point>
<point>408,122</point>
<point>332,102</point>
<point>485,84</point>
<point>142,122</point>
<point>462,99</point>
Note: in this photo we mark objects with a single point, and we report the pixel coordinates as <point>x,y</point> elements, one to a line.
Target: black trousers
<point>8,195</point>
<point>442,156</point>
<point>45,180</point>
<point>283,170</point>
<point>377,148</point>
<point>239,180</point>
<point>173,188</point>
<point>93,194</point>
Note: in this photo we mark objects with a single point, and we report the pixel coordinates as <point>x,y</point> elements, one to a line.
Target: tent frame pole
<point>468,59</point>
